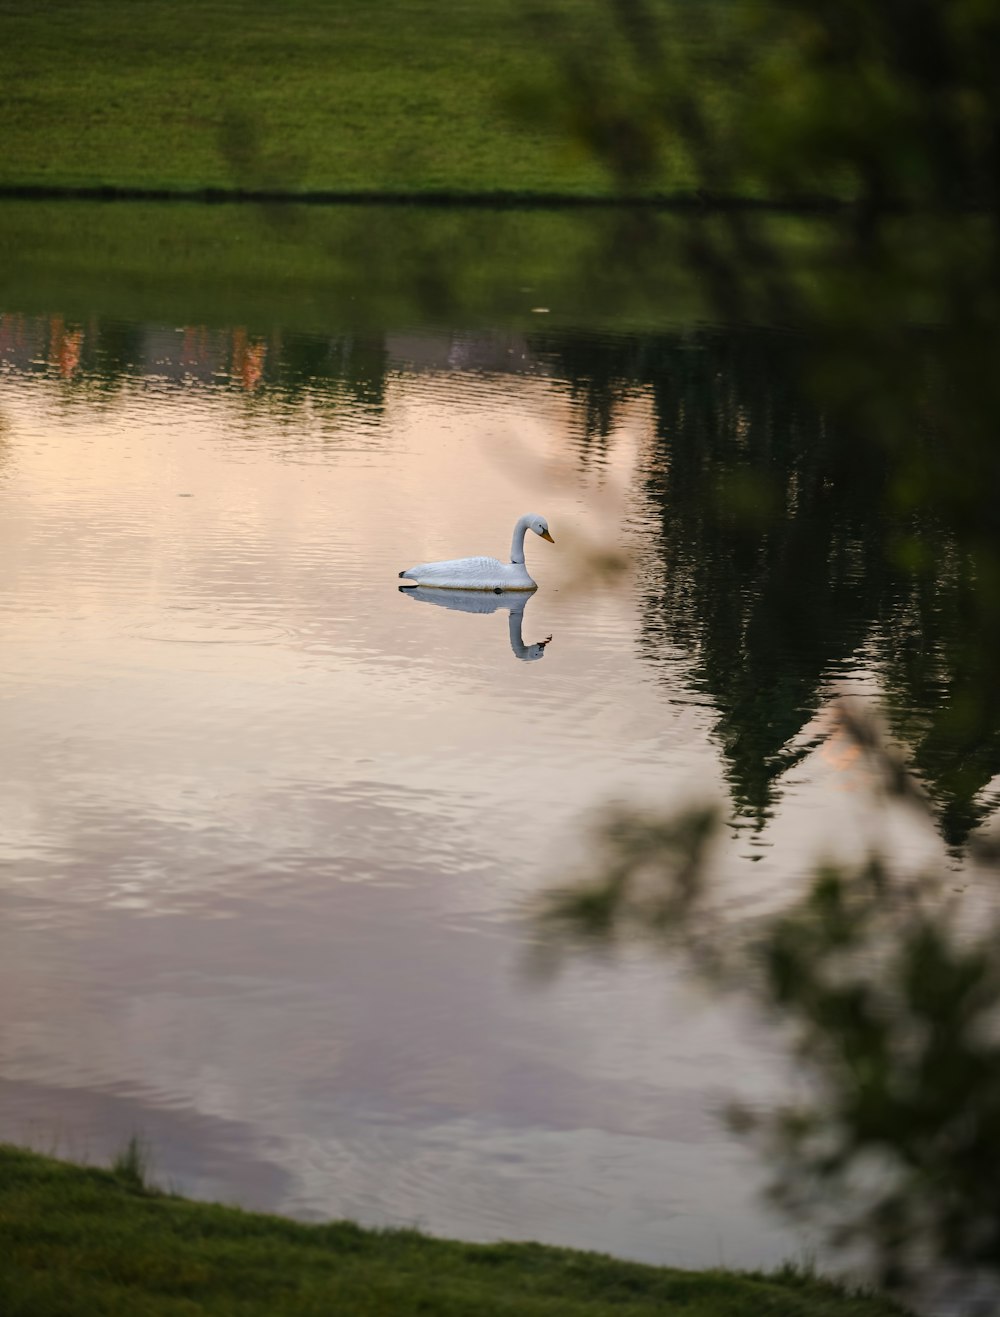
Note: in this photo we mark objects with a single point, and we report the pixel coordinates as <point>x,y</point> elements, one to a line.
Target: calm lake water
<point>270,827</point>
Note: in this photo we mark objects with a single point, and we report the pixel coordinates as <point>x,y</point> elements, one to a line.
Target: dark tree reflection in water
<point>770,569</point>
<point>783,551</point>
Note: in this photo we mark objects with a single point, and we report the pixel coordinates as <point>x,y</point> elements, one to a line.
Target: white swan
<point>483,573</point>
<point>478,601</point>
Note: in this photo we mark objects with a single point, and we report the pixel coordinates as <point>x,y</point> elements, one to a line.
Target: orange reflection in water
<point>249,356</point>
<point>840,752</point>
<point>65,347</point>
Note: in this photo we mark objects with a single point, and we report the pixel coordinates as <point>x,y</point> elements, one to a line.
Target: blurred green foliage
<point>893,1001</point>
<point>896,99</point>
<point>881,102</point>
<point>890,999</point>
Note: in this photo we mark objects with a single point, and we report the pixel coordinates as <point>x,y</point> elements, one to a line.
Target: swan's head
<point>541,527</point>
<point>535,651</point>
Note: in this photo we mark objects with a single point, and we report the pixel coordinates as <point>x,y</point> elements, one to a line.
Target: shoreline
<point>448,198</point>
<point>78,1238</point>
<point>500,199</point>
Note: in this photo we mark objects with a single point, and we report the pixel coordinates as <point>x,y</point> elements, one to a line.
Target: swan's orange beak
<point>547,536</point>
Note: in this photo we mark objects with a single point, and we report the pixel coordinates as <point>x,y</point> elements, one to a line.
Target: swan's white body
<point>478,601</point>
<point>470,574</point>
<point>482,573</point>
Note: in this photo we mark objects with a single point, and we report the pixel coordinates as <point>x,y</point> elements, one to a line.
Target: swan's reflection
<point>483,601</point>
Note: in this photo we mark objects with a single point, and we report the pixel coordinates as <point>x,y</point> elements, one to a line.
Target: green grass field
<point>75,1240</point>
<point>327,269</point>
<point>316,94</point>
<point>324,269</point>
<point>372,96</point>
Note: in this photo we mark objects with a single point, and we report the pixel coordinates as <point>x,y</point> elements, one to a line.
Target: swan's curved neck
<point>514,625</point>
<point>517,543</point>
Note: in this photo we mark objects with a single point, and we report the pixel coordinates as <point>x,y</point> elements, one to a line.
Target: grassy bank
<point>78,1240</point>
<point>395,94</point>
<point>333,269</point>
<point>326,270</point>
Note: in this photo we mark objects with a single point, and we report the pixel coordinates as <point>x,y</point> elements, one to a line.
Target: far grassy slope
<point>76,1240</point>
<point>330,269</point>
<point>306,94</point>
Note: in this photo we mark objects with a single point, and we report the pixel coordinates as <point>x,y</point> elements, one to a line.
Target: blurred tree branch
<point>894,1010</point>
<point>892,108</point>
